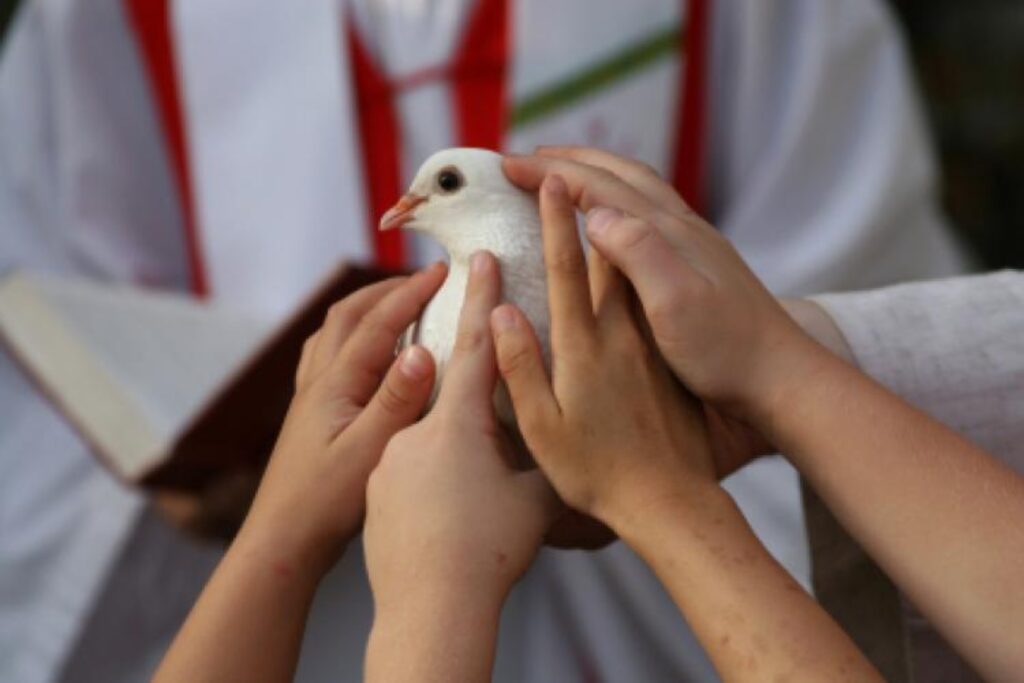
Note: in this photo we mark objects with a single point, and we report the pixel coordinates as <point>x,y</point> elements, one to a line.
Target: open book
<point>168,391</point>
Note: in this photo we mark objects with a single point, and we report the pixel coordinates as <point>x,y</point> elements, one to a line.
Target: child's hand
<point>450,525</point>
<point>348,403</point>
<point>718,327</point>
<point>613,430</point>
<point>446,511</point>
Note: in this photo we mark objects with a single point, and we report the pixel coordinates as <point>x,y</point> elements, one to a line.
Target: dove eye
<point>449,180</point>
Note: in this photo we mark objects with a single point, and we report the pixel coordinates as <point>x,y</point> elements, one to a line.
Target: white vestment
<point>818,168</point>
<point>952,347</point>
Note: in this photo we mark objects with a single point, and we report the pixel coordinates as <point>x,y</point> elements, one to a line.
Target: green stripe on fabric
<point>597,77</point>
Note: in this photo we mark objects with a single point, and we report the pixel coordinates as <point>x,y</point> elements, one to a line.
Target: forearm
<point>437,636</point>
<point>249,620</point>
<point>755,622</point>
<point>941,516</point>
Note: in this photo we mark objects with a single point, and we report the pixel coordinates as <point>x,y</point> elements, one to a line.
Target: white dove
<point>462,199</point>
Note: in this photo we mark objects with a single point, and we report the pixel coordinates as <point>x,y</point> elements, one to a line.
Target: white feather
<point>487,212</point>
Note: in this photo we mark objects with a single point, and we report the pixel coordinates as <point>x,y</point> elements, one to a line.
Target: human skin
<point>247,624</point>
<point>938,514</point>
<point>620,439</point>
<point>450,524</point>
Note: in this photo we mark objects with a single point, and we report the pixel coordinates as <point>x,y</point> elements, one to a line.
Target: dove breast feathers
<point>491,214</point>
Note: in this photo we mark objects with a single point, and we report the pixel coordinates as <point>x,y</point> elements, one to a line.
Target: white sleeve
<point>954,348</point>
<point>820,169</point>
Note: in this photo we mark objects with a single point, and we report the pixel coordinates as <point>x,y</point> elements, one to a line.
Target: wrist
<point>453,593</point>
<point>441,635</point>
<point>677,503</point>
<point>445,609</point>
<point>801,368</point>
<point>289,550</point>
<point>787,361</point>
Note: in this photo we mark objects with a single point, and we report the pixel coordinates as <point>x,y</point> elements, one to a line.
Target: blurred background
<point>969,58</point>
<point>970,64</point>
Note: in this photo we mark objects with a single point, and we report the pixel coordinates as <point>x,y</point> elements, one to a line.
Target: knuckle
<point>568,262</point>
<point>376,326</point>
<point>515,358</point>
<point>603,174</point>
<point>634,234</point>
<point>337,312</point>
<point>340,316</point>
<point>393,398</point>
<point>644,169</point>
<point>470,339</point>
<point>585,350</point>
<point>678,223</point>
<point>663,312</point>
<point>595,177</point>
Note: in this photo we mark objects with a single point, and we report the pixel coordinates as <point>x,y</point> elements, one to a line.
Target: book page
<point>165,388</point>
<point>168,352</point>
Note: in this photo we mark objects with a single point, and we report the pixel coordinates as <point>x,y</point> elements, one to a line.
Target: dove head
<point>462,199</point>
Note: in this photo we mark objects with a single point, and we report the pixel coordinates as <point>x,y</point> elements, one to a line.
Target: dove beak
<point>402,212</point>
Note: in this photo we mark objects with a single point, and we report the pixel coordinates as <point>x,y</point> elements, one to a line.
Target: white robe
<point>952,347</point>
<point>818,167</point>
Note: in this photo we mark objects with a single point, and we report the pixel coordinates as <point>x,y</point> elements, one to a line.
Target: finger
<point>357,369</point>
<point>644,256</point>
<point>399,401</point>
<point>470,374</point>
<point>613,296</point>
<point>572,314</point>
<point>613,308</point>
<point>600,273</point>
<point>638,174</point>
<point>343,317</point>
<point>522,367</point>
<point>536,488</point>
<point>306,360</point>
<point>588,186</point>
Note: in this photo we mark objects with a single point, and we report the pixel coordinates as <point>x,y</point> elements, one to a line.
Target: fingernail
<point>415,364</point>
<point>555,186</point>
<point>428,270</point>
<point>599,218</point>
<point>503,319</point>
<point>478,262</point>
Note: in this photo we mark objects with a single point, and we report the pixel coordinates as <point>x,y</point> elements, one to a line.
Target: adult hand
<point>596,179</point>
<point>612,428</point>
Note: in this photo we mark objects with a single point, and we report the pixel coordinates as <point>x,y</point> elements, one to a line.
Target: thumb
<point>400,399</point>
<point>644,256</point>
